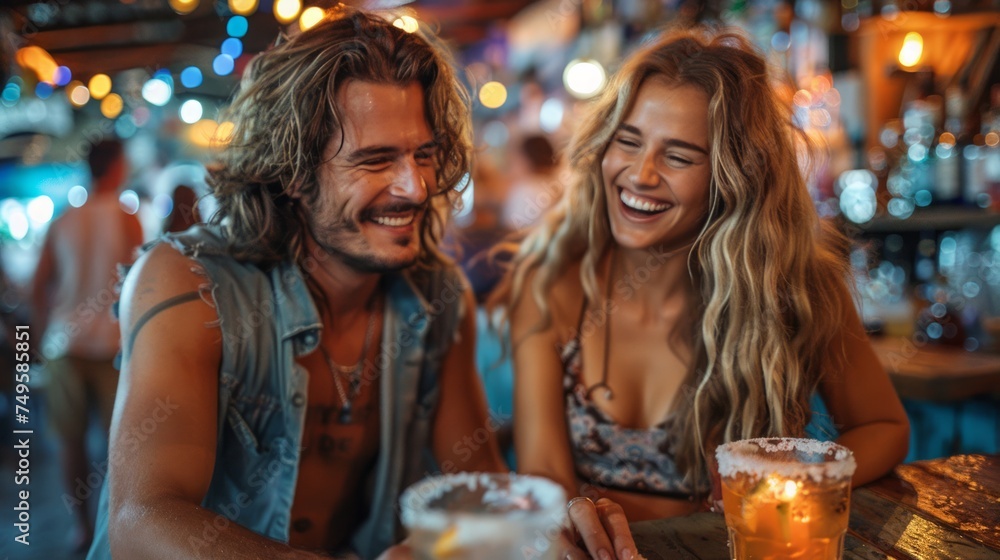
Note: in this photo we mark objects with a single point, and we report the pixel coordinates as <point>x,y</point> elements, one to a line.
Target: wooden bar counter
<point>947,509</point>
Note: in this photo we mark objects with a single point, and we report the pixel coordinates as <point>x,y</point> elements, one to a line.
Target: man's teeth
<point>643,205</point>
<point>394,221</point>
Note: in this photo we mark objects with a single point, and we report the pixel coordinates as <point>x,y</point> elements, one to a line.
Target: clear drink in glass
<point>484,516</point>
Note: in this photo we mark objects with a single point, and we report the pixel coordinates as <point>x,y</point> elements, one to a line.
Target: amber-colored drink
<point>786,498</point>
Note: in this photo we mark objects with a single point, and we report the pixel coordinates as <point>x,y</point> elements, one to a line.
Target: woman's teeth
<point>642,205</point>
<point>394,221</point>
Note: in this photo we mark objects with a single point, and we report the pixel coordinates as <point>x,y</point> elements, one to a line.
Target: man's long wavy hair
<point>770,274</point>
<point>285,114</point>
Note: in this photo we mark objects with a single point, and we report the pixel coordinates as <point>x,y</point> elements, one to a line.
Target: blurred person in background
<point>686,294</point>
<point>183,210</point>
<point>534,183</point>
<point>73,290</point>
<point>190,199</point>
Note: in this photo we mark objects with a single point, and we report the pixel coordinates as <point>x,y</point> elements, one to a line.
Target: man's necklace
<point>352,372</point>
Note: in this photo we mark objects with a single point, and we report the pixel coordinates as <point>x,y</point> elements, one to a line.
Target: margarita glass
<point>484,515</point>
<point>786,498</point>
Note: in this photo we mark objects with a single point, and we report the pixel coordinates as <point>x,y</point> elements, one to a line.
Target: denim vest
<point>267,319</point>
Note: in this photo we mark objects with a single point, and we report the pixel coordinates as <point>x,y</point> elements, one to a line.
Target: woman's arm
<point>542,442</point>
<point>540,437</point>
<point>863,402</point>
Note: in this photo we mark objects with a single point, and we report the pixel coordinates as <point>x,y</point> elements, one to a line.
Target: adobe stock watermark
<point>164,408</point>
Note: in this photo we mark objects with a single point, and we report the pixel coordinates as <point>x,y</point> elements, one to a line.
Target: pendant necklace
<point>352,372</point>
<point>603,383</point>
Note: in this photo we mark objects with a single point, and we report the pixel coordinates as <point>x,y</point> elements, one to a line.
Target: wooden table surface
<point>945,509</point>
<point>937,373</point>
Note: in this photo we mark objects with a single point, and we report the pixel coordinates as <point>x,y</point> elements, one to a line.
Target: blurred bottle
<point>948,151</point>
<point>990,152</point>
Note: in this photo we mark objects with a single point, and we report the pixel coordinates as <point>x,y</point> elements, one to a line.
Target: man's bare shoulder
<point>162,270</point>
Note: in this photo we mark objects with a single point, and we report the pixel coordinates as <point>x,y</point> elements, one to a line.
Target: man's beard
<point>327,237</point>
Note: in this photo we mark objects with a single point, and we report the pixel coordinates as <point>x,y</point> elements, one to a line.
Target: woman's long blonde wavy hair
<point>285,113</point>
<point>771,275</point>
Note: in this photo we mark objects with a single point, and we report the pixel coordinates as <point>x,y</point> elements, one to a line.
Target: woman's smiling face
<point>657,168</point>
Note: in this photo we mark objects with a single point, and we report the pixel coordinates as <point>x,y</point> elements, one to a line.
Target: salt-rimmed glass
<point>484,515</point>
<point>786,497</point>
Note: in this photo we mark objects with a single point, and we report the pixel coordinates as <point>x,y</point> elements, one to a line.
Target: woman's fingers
<point>612,516</point>
<point>567,549</point>
<point>583,514</point>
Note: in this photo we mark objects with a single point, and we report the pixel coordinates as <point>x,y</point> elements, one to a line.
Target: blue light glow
<point>237,26</point>
<point>191,77</point>
<point>233,47</point>
<point>63,76</point>
<point>43,90</point>
<point>223,65</point>
<point>11,93</point>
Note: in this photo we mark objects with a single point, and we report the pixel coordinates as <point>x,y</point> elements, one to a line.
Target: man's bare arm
<point>157,482</point>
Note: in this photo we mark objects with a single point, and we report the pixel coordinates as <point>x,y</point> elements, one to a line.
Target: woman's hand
<point>597,530</point>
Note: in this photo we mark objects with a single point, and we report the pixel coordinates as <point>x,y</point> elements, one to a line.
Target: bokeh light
<point>11,93</point>
<point>162,205</point>
<point>584,78</point>
<point>62,76</point>
<point>43,90</point>
<point>17,221</point>
<point>112,106</point>
<point>207,133</point>
<point>77,196</point>
<point>39,61</point>
<point>40,210</point>
<point>310,17</point>
<point>551,115</point>
<point>157,92</point>
<point>223,65</point>
<point>407,23</point>
<point>129,202</point>
<point>191,77</point>
<point>78,93</point>
<point>233,47</point>
<point>191,111</point>
<point>100,85</point>
<point>286,11</point>
<point>243,7</point>
<point>493,95</point>
<point>237,26</point>
<point>912,50</point>
<point>184,6</point>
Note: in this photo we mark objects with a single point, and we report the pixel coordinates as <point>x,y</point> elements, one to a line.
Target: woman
<point>685,294</point>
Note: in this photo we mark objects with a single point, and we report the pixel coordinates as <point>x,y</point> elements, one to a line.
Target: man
<point>285,369</point>
<point>73,290</point>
